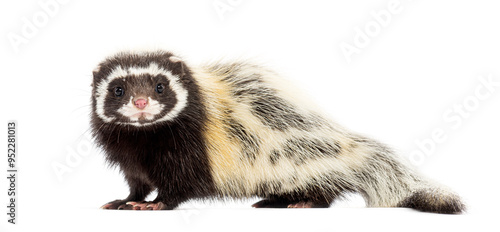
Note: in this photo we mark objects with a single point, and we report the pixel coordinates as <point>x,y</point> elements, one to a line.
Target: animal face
<point>137,94</point>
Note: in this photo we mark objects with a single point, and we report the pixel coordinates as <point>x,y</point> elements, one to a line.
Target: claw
<point>105,206</point>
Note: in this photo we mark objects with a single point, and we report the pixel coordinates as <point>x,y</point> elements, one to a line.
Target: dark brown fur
<point>164,156</point>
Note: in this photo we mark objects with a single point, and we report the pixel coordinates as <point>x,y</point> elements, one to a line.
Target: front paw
<point>147,205</point>
<point>118,204</point>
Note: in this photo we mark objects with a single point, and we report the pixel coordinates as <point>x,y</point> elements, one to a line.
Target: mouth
<point>142,116</point>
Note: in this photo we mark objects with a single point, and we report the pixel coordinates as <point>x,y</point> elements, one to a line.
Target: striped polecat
<point>234,130</point>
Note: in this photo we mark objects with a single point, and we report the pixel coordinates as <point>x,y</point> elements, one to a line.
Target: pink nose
<point>141,103</point>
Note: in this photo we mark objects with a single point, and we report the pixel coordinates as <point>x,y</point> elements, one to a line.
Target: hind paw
<point>267,203</point>
<point>302,204</point>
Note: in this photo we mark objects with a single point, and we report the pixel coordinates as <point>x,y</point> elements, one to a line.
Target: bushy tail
<point>434,200</point>
<point>387,181</point>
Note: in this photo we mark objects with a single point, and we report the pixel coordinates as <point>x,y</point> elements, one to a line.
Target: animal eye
<point>159,88</point>
<point>119,91</point>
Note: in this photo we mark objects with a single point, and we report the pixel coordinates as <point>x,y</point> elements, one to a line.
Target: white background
<point>414,70</point>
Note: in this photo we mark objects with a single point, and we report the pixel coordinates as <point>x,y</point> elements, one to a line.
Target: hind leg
<point>292,202</point>
<point>268,203</point>
<point>272,203</point>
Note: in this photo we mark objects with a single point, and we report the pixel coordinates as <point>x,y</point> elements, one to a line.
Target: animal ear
<point>175,59</point>
<point>96,70</point>
<point>178,65</point>
<point>94,74</point>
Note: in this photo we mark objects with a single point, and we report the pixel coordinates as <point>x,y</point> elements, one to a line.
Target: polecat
<point>234,130</point>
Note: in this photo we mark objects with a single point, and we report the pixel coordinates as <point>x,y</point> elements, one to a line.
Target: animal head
<point>140,89</point>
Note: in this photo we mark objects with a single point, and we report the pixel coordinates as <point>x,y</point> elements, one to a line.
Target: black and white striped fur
<point>237,130</point>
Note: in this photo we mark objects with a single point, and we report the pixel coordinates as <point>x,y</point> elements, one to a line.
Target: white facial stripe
<point>102,91</point>
<point>181,94</point>
<point>153,69</point>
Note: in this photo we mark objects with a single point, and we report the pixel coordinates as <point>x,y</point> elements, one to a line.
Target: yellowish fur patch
<point>222,151</point>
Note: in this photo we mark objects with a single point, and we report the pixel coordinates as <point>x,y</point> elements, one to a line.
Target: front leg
<point>139,190</point>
